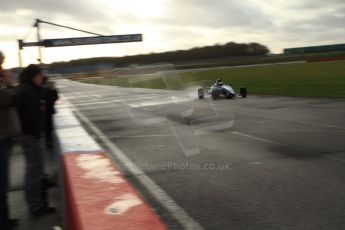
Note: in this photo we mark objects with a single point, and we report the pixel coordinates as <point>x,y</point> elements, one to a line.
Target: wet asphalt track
<point>259,163</point>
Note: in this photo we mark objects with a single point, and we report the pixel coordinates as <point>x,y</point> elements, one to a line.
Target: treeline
<point>230,49</point>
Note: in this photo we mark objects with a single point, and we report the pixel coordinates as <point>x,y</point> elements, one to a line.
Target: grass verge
<point>319,79</point>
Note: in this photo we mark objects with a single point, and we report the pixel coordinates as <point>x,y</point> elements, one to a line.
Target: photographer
<point>31,106</point>
<point>9,132</point>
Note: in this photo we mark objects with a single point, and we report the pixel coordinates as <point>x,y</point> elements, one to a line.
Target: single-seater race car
<point>219,90</point>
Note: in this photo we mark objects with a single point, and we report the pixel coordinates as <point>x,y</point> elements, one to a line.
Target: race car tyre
<point>227,95</point>
<point>201,93</point>
<point>243,92</point>
<point>215,94</point>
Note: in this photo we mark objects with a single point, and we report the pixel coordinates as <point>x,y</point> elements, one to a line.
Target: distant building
<point>315,49</point>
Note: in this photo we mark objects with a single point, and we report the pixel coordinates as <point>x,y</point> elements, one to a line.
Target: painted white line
<point>109,101</point>
<point>98,168</point>
<point>57,228</point>
<point>148,136</point>
<point>301,122</point>
<point>335,158</point>
<point>298,131</point>
<point>123,204</point>
<point>184,219</point>
<point>137,98</point>
<point>169,100</point>
<point>82,96</point>
<point>287,146</point>
<point>107,107</point>
<point>72,136</point>
<point>256,138</point>
<point>91,103</point>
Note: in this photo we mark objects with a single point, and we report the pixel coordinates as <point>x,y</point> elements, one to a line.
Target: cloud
<point>215,14</point>
<point>317,4</point>
<point>52,9</point>
<point>176,24</point>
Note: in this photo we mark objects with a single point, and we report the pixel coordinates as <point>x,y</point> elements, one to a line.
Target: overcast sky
<point>171,24</point>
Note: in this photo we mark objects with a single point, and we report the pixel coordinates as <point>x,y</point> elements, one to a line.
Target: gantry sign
<point>95,40</point>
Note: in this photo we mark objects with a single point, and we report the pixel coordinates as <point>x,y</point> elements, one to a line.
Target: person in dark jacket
<point>50,96</point>
<point>30,105</point>
<point>8,133</point>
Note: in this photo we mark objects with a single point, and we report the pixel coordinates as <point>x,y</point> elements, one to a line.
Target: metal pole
<point>67,27</point>
<point>20,58</point>
<point>38,40</point>
<point>20,53</point>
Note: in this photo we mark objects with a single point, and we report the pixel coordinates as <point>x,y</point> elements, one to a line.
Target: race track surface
<point>260,163</point>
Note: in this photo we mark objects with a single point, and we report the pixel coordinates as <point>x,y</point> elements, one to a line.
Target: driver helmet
<point>219,81</point>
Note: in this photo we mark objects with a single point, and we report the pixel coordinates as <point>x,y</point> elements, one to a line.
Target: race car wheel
<point>201,93</point>
<point>227,95</point>
<point>243,92</point>
<point>215,94</point>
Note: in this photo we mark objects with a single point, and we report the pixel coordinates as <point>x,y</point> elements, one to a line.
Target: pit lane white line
<point>169,100</point>
<point>184,219</point>
<point>149,135</point>
<point>90,103</point>
<point>83,95</point>
<point>111,101</point>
